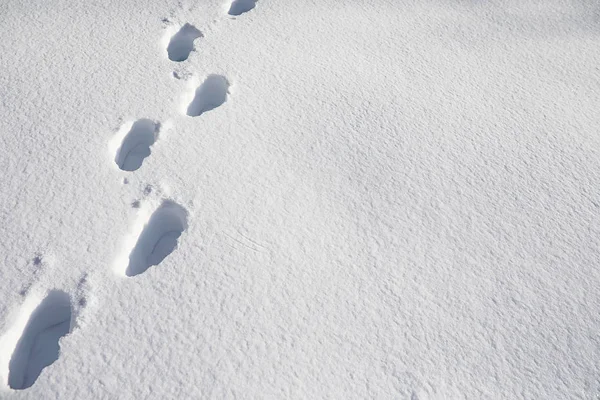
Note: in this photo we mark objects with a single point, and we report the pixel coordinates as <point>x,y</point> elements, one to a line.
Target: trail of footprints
<point>34,339</point>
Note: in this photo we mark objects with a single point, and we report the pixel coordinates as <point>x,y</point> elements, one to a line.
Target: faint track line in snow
<point>251,240</point>
<point>240,242</point>
<point>245,244</point>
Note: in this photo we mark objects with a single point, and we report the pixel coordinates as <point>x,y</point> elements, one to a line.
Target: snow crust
<point>365,199</point>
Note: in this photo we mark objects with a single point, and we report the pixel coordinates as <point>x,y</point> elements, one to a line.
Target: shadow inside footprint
<point>210,95</point>
<point>158,238</point>
<point>136,144</point>
<point>182,43</point>
<point>38,346</point>
<point>238,7</point>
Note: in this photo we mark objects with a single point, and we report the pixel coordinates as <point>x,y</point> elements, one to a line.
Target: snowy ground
<point>277,199</point>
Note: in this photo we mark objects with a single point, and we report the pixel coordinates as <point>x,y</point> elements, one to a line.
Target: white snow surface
<point>345,200</point>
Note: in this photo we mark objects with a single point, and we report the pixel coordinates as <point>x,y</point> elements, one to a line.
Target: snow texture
<point>267,199</point>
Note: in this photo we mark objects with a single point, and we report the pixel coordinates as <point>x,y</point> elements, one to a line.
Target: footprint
<point>158,238</point>
<point>182,43</point>
<point>210,95</point>
<point>38,346</point>
<point>238,7</point>
<point>136,144</point>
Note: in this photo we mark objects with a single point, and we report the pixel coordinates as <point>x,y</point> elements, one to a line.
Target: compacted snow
<point>279,199</point>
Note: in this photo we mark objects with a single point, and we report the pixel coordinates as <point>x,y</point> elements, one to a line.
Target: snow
<point>260,199</point>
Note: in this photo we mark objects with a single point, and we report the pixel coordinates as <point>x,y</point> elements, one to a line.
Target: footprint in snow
<point>136,143</point>
<point>158,238</point>
<point>209,95</point>
<point>238,7</point>
<point>182,43</point>
<point>38,345</point>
